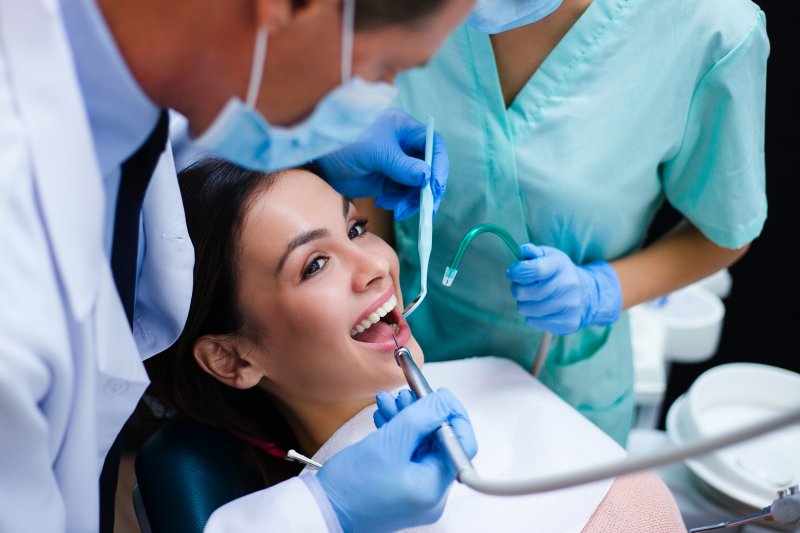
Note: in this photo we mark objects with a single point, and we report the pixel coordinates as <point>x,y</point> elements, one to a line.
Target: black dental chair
<point>184,472</point>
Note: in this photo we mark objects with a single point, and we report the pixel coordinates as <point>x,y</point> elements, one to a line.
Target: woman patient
<point>289,339</point>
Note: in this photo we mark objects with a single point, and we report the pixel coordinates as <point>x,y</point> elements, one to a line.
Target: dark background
<point>761,315</point>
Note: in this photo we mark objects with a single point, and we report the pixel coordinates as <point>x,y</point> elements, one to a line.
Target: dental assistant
<point>571,132</point>
<point>96,265</point>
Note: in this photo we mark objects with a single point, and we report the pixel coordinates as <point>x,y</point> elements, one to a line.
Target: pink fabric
<point>636,503</point>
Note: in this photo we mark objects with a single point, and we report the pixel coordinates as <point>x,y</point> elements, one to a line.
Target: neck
<point>313,423</point>
<point>187,56</point>
<point>520,52</point>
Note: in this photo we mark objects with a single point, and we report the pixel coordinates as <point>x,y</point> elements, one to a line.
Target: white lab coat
<point>70,370</point>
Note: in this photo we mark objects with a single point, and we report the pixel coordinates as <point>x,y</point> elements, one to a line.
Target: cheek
<point>314,312</point>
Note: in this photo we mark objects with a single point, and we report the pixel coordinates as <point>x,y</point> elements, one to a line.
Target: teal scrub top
<point>641,102</point>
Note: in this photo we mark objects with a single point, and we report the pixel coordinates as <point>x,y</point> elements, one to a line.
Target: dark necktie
<point>135,175</point>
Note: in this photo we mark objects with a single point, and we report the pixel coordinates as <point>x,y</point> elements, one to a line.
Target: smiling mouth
<point>379,326</point>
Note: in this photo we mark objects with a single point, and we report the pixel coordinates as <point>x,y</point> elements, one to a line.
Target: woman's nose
<point>370,268</point>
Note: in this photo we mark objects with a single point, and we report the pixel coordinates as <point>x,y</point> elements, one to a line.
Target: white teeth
<point>376,315</point>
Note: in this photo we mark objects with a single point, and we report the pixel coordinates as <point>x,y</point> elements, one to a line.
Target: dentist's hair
<point>216,197</point>
<point>373,14</point>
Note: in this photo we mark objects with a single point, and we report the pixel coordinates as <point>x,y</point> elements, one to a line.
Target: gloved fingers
<point>411,425</point>
<point>525,272</point>
<point>378,419</point>
<point>434,473</point>
<point>426,446</point>
<point>531,251</point>
<point>466,436</point>
<point>392,194</point>
<point>463,430</point>
<point>436,203</point>
<point>439,171</point>
<point>559,324</point>
<point>387,406</point>
<point>552,309</point>
<point>408,205</point>
<point>408,165</point>
<point>535,292</point>
<point>404,168</point>
<point>364,186</point>
<point>540,268</point>
<point>401,159</point>
<point>411,133</point>
<point>405,398</point>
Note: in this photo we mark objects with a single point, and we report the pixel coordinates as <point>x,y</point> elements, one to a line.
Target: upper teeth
<point>376,315</point>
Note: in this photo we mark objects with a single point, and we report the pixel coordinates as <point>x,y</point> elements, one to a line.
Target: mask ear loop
<point>348,29</point>
<point>257,68</point>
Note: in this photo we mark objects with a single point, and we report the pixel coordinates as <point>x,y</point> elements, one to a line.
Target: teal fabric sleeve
<point>717,178</point>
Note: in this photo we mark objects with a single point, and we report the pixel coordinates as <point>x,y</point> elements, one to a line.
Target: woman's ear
<point>221,357</point>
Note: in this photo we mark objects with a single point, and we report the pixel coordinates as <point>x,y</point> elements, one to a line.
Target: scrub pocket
<point>592,370</point>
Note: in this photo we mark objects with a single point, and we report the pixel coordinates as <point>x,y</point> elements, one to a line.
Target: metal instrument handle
<point>785,509</point>
<point>445,435</point>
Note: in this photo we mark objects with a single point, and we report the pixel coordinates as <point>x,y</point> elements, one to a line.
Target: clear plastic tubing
<point>451,271</point>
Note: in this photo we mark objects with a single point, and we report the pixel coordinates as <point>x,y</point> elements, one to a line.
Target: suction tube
<point>471,478</point>
<point>451,271</point>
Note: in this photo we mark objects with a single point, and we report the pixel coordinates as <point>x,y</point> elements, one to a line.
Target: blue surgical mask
<point>496,16</point>
<point>242,135</point>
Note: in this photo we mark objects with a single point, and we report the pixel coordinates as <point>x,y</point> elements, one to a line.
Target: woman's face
<point>310,277</point>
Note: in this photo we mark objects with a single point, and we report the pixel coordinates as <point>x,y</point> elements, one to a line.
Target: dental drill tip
<point>395,341</point>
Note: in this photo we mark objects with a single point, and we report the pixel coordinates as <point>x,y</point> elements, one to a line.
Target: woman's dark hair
<point>216,196</point>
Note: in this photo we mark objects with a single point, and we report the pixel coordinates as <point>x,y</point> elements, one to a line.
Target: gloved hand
<point>387,161</point>
<point>555,295</point>
<point>389,406</point>
<point>383,483</point>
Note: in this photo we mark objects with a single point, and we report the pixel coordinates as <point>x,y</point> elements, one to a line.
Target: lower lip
<point>403,336</point>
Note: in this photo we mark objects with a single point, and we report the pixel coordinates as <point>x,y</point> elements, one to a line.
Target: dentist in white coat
<point>82,85</point>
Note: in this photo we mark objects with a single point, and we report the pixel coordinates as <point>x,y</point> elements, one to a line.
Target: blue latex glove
<point>384,482</point>
<point>389,406</point>
<point>387,162</point>
<point>555,295</point>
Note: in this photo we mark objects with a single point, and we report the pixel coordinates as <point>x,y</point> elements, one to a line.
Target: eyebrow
<point>346,206</point>
<point>311,235</point>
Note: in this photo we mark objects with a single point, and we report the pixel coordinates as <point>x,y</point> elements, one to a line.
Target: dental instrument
<point>272,449</point>
<point>445,435</point>
<point>451,271</point>
<point>425,237</point>
<point>785,509</point>
<point>468,476</point>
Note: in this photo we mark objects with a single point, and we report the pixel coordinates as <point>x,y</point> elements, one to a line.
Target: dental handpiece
<point>562,480</point>
<point>445,435</point>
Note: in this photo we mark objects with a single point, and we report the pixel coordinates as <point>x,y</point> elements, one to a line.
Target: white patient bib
<point>523,430</point>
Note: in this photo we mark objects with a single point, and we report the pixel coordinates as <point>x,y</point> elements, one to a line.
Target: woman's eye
<point>358,229</point>
<point>315,266</point>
